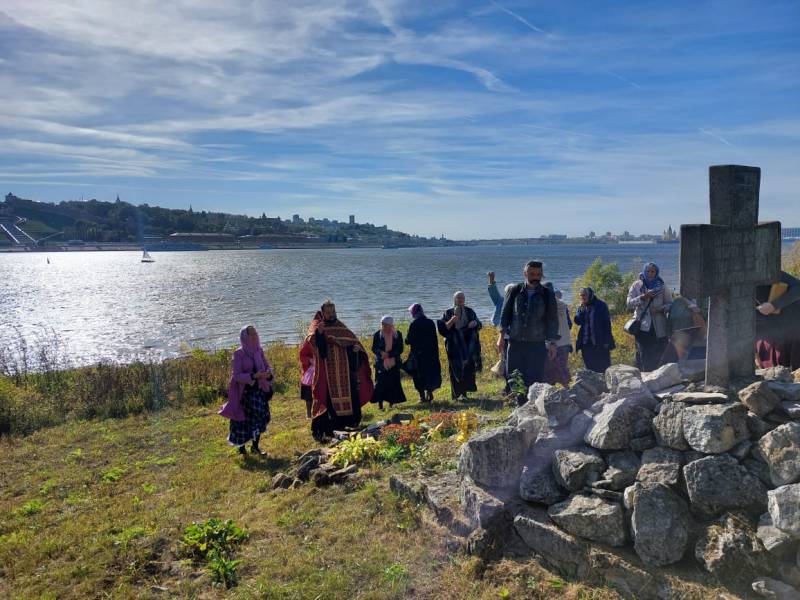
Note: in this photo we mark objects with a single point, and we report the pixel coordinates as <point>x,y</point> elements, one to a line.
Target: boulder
<point>759,398</point>
<point>659,524</point>
<point>591,518</point>
<point>783,374</point>
<point>617,373</point>
<point>701,397</point>
<point>774,589</point>
<point>668,426</point>
<point>741,450</point>
<point>667,393</point>
<point>282,481</point>
<point>482,508</point>
<point>774,540</point>
<point>606,494</point>
<point>784,508</point>
<point>730,550</point>
<point>531,428</point>
<point>628,579</point>
<point>534,391</point>
<point>622,469</point>
<point>780,449</point>
<point>618,423</point>
<point>557,405</point>
<point>666,376</point>
<point>791,408</point>
<point>758,469</point>
<point>785,391</point>
<point>635,389</point>
<point>640,444</point>
<point>758,427</point>
<point>540,453</point>
<point>587,386</point>
<point>493,458</point>
<point>557,548</point>
<point>715,428</point>
<point>577,467</point>
<point>660,465</point>
<point>719,483</point>
<point>540,486</point>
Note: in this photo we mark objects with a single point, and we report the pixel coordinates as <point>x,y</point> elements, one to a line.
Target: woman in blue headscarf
<point>650,300</point>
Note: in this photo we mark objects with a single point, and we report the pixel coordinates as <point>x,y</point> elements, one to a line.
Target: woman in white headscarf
<point>387,345</point>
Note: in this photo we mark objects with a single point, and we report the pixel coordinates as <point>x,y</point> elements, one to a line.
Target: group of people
<point>534,342</point>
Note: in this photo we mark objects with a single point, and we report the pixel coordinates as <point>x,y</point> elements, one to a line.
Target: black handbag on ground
<point>634,326</point>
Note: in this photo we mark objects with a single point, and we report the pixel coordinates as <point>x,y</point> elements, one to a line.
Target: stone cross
<point>726,260</point>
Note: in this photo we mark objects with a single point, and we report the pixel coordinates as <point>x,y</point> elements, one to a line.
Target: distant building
<point>203,238</point>
<point>296,219</point>
<point>790,233</point>
<point>352,220</point>
<point>669,234</point>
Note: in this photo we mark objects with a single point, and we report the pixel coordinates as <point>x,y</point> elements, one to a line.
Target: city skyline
<point>469,119</point>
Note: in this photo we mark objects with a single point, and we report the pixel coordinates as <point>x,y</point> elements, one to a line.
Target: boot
<point>242,449</point>
<point>255,449</point>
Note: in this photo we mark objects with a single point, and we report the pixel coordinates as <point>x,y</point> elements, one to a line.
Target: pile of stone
<point>315,467</point>
<point>651,463</point>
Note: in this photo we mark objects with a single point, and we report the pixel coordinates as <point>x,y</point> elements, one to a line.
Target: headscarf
<point>656,284</point>
<point>388,362</point>
<point>415,310</point>
<point>253,349</point>
<point>462,317</point>
<point>589,294</point>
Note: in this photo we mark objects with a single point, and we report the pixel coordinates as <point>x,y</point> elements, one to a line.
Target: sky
<point>483,119</point>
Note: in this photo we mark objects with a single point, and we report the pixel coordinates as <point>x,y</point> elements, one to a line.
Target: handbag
<point>634,326</point>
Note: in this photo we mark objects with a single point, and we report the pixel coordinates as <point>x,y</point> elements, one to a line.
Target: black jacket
<point>530,321</point>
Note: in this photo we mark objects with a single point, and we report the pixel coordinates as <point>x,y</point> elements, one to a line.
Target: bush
<point>791,260</point>
<point>609,284</point>
<point>214,542</point>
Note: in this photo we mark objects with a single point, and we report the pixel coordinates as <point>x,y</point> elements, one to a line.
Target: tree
<point>609,284</point>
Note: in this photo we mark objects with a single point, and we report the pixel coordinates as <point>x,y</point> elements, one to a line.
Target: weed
<point>214,534</point>
<point>31,507</point>
<point>114,474</point>
<point>394,574</point>
<point>148,488</point>
<point>126,536</point>
<point>222,570</point>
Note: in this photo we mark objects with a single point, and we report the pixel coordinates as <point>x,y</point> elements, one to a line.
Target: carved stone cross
<point>726,260</point>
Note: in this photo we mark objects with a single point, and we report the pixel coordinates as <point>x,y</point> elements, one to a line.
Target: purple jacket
<point>241,375</point>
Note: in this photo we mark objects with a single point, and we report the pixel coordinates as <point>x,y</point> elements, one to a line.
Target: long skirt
<point>256,418</point>
<point>556,370</point>
<point>595,358</point>
<point>528,358</point>
<point>427,372</point>
<point>649,350</point>
<point>388,387</point>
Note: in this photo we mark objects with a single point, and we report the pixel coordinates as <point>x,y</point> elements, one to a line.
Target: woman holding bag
<point>249,392</point>
<point>650,300</point>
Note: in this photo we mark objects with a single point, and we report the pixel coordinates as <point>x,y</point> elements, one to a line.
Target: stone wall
<point>651,465</point>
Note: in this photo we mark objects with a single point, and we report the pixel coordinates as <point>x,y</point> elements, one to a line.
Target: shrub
<point>609,284</point>
<point>357,450</point>
<point>791,260</point>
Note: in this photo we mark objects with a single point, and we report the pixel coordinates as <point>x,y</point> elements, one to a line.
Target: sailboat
<point>146,257</point>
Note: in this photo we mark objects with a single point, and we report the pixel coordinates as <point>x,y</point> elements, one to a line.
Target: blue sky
<point>472,119</point>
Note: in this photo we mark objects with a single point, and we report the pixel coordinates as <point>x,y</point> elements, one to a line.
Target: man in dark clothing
<point>530,320</point>
<point>778,323</point>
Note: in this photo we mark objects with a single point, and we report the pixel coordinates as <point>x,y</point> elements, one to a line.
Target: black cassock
<point>463,347</point>
<point>388,387</point>
<point>423,359</point>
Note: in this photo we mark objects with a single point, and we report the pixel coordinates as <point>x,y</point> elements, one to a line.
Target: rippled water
<point>110,306</point>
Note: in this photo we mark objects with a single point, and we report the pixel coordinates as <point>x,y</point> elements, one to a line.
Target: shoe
<point>242,449</point>
<point>256,450</point>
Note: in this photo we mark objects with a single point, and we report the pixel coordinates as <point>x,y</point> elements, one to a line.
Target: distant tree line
<point>120,221</point>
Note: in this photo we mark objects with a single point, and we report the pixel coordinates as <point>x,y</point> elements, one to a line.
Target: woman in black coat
<point>387,345</point>
<point>423,359</point>
<point>595,340</point>
<point>459,326</point>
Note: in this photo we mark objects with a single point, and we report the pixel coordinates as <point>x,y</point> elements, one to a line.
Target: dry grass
<point>95,509</point>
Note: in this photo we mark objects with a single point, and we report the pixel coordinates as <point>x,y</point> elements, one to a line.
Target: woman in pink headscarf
<point>387,345</point>
<point>249,392</point>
